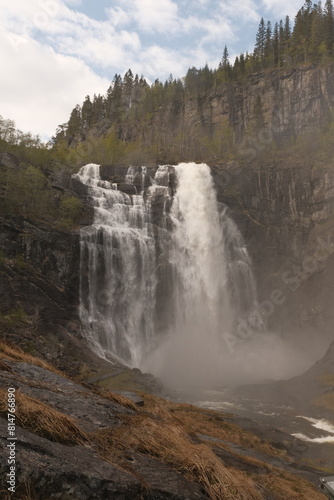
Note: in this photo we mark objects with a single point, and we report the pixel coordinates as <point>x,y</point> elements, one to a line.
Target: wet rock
<point>127,188</point>
<point>59,471</point>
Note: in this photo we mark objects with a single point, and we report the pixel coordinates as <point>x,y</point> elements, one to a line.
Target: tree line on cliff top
<point>311,40</point>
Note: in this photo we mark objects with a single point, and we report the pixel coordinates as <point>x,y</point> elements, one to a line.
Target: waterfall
<point>163,274</point>
<point>118,281</point>
<point>198,255</point>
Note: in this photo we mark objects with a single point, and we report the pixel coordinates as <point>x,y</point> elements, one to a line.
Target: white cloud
<point>119,17</point>
<point>244,11</point>
<point>40,87</point>
<point>159,61</point>
<point>281,8</point>
<point>161,17</point>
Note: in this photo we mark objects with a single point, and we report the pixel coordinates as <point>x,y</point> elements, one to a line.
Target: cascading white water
<point>156,298</point>
<point>198,255</point>
<point>212,283</point>
<point>117,271</point>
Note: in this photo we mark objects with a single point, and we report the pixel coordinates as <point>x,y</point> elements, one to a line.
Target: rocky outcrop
<point>39,291</point>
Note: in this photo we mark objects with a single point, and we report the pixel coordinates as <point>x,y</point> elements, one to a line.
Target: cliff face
<point>290,103</point>
<point>39,293</point>
<point>279,103</point>
<point>286,215</point>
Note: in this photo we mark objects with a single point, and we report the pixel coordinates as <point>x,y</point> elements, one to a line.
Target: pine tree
<point>86,113</point>
<point>98,109</point>
<point>260,41</point>
<point>74,124</point>
<point>276,46</point>
<point>225,66</point>
<point>225,59</point>
<point>268,52</point>
<point>287,29</point>
<point>115,110</point>
<point>302,33</point>
<point>316,32</point>
<point>286,48</point>
<point>329,26</point>
<point>127,89</point>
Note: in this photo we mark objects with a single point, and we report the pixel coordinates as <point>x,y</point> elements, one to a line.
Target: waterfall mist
<point>167,282</point>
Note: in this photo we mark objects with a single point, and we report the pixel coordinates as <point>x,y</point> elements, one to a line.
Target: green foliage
<point>26,191</point>
<point>10,135</point>
<point>70,210</point>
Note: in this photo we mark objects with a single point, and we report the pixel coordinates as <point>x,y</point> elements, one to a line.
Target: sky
<point>55,52</point>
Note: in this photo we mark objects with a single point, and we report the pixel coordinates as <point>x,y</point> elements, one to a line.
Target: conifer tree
<point>86,113</point>
<point>316,32</point>
<point>329,26</point>
<point>260,41</point>
<point>74,123</point>
<point>225,59</point>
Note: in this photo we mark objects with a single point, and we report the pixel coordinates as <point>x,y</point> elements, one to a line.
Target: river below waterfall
<point>307,436</point>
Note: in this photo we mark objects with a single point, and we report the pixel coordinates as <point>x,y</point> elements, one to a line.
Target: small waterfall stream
<point>163,275</point>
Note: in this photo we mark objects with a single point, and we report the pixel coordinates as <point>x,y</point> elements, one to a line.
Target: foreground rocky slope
<point>74,442</point>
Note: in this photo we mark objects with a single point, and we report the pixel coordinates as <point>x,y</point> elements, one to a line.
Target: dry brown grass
<point>172,446</point>
<point>288,486</point>
<point>325,401</point>
<point>201,421</point>
<point>16,354</point>
<point>43,420</point>
<point>120,399</point>
<point>171,434</point>
<point>327,380</point>
<point>3,366</point>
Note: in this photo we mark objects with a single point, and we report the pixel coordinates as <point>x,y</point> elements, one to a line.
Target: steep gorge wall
<point>287,102</point>
<point>292,102</point>
<point>286,214</point>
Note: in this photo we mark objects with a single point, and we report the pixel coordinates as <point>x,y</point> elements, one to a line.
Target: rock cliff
<point>280,103</point>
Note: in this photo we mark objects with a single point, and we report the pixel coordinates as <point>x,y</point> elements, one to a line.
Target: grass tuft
<point>43,420</point>
<point>172,446</point>
<point>172,433</point>
<point>120,399</point>
<point>17,354</point>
